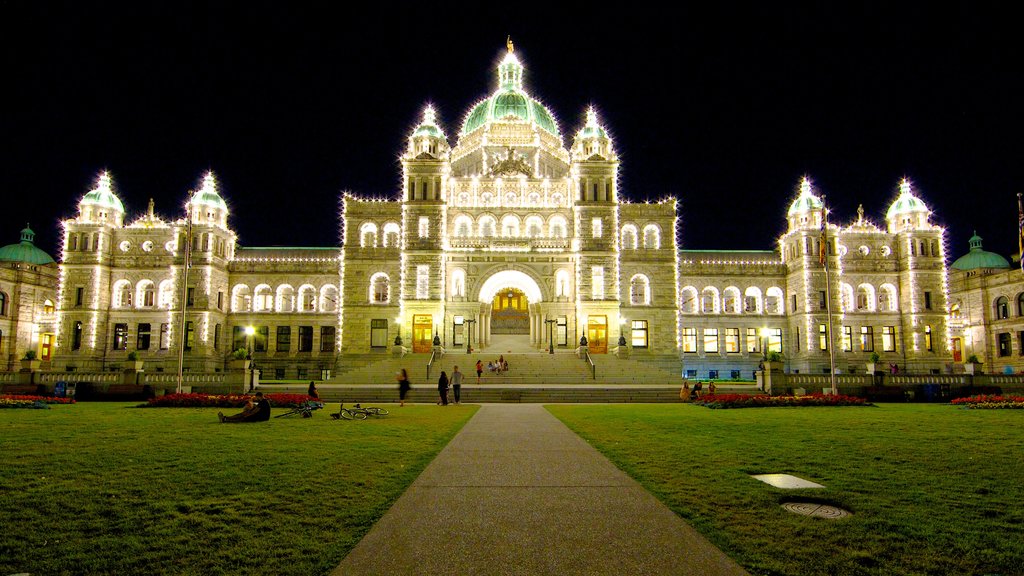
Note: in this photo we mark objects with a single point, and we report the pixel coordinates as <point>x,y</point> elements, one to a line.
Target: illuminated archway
<point>510,279</point>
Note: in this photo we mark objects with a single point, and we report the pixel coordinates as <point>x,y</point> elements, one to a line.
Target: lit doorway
<point>597,334</point>
<point>510,312</point>
<point>422,332</point>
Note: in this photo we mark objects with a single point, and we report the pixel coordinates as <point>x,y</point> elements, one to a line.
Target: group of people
<point>499,366</point>
<point>686,394</point>
<point>455,382</point>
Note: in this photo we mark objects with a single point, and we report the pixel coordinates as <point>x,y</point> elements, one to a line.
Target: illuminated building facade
<point>28,298</point>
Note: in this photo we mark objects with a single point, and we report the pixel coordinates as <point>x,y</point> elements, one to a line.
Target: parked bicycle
<point>305,409</point>
<point>372,410</point>
<point>349,414</point>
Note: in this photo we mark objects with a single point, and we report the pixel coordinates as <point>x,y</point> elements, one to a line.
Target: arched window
<point>3,304</point>
<point>688,302</point>
<point>145,294</point>
<point>562,283</point>
<point>773,300</point>
<point>166,294</point>
<point>639,290</point>
<point>866,298</point>
<point>709,301</point>
<point>629,237</point>
<point>458,283</point>
<point>368,235</point>
<point>122,294</point>
<point>463,226</point>
<point>1020,304</point>
<point>328,298</point>
<point>510,226</point>
<point>534,226</point>
<point>752,300</point>
<point>557,227</point>
<point>1002,308</point>
<point>380,288</point>
<point>391,233</point>
<point>652,237</point>
<point>887,301</point>
<point>241,298</point>
<point>487,226</point>
<point>845,297</point>
<point>730,298</point>
<point>264,299</point>
<point>307,298</point>
<point>48,307</point>
<point>285,298</point>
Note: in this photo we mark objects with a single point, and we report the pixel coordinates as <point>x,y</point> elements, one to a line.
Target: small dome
<point>906,203</point>
<point>102,196</point>
<point>592,129</point>
<point>806,201</point>
<point>25,251</point>
<point>978,258</point>
<point>208,196</point>
<point>428,127</point>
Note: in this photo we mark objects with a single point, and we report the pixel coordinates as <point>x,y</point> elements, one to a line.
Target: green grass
<point>934,489</point>
<point>110,489</point>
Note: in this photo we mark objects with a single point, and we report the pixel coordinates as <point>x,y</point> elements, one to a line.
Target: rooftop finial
<point>904,186</point>
<point>805,186</point>
<point>149,210</point>
<point>508,43</point>
<point>429,117</point>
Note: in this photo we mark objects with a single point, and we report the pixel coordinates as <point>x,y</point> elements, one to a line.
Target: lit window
<point>689,339</point>
<point>638,333</point>
<point>595,228</point>
<point>652,237</point>
<point>380,289</point>
<point>639,291</point>
<point>732,340</point>
<point>422,282</point>
<point>424,227</point>
<point>597,282</point>
<point>710,340</point>
<point>888,338</point>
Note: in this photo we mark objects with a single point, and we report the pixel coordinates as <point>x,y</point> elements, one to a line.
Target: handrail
<point>433,351</point>
<point>593,368</point>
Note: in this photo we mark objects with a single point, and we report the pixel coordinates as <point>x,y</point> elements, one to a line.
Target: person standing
<point>403,385</point>
<point>442,389</point>
<point>479,370</point>
<point>457,385</point>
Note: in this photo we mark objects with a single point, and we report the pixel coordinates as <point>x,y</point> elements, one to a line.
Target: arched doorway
<point>510,312</point>
<point>511,297</point>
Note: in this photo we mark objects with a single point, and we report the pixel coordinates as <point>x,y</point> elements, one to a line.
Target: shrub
<point>990,402</point>
<point>765,401</point>
<point>30,355</point>
<point>133,356</point>
<point>240,354</point>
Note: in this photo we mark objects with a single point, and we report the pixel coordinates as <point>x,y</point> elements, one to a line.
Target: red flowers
<point>765,401</point>
<point>43,399</point>
<point>222,400</point>
<point>993,401</point>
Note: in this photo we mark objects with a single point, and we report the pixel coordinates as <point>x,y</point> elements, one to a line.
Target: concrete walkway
<point>517,492</point>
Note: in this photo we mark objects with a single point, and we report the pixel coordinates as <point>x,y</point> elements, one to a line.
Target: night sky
<point>722,107</point>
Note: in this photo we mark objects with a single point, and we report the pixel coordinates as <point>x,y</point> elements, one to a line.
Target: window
<point>3,304</point>
<point>216,336</point>
<point>888,338</point>
<point>264,299</point>
<point>424,227</point>
<point>753,342</point>
<point>368,235</point>
<point>689,339</point>
<point>305,338</point>
<point>1002,308</point>
<point>148,295</point>
<point>597,282</point>
<point>79,296</point>
<point>822,301</point>
<point>142,337</point>
<point>380,289</point>
<point>220,300</point>
<point>847,339</point>
<point>190,335</point>
<point>775,340</point>
<point>423,282</point>
<point>238,338</point>
<point>638,335</point>
<point>327,338</point>
<point>652,238</point>
<point>867,339</point>
<point>190,296</point>
<point>165,336</point>
<point>628,237</point>
<point>792,307</point>
<point>711,340</point>
<point>822,337</point>
<point>379,333</point>
<point>284,339</point>
<point>928,301</point>
<point>1003,338</point>
<point>639,291</point>
<point>260,339</point>
<point>595,228</point>
<point>76,336</point>
<point>120,336</point>
<point>928,341</point>
<point>732,340</point>
<point>1020,304</point>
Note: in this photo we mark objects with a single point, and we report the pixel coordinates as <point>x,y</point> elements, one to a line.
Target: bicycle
<point>347,414</point>
<point>372,410</point>
<point>306,409</point>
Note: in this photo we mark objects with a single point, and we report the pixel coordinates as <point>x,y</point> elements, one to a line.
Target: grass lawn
<point>99,488</point>
<point>934,489</point>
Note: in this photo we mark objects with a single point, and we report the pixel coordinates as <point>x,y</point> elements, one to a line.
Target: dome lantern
<point>807,209</point>
<point>206,204</point>
<point>101,205</point>
<point>907,211</point>
<point>428,138</point>
<point>592,140</point>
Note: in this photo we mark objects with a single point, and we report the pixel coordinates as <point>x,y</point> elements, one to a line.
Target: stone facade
<point>28,297</point>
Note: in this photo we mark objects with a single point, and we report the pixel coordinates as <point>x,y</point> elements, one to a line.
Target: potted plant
<point>873,361</point>
<point>29,362</point>
<point>134,362</point>
<point>972,364</point>
<point>773,361</point>
<point>240,359</point>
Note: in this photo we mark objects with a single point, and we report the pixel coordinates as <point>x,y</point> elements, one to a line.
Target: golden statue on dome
<point>508,43</point>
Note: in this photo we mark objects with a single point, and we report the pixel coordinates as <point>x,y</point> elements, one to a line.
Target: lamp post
<point>551,332</point>
<point>764,343</point>
<point>250,332</point>
<point>469,335</point>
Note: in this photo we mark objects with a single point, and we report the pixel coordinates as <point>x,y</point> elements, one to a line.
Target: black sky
<point>723,107</point>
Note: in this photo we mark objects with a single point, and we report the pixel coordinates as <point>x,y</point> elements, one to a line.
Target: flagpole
<point>828,298</point>
<point>1020,230</point>
<point>184,291</point>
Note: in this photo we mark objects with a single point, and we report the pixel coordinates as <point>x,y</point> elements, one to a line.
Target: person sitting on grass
<point>258,411</point>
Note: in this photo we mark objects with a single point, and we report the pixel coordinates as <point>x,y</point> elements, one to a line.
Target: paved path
<point>517,492</point>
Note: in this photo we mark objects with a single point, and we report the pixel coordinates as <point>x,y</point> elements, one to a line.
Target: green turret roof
<point>103,196</point>
<point>429,127</point>
<point>978,258</point>
<point>806,201</point>
<point>207,195</point>
<point>906,203</point>
<point>25,251</point>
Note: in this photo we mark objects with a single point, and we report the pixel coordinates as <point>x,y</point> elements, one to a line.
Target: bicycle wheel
<point>291,412</point>
<point>359,414</point>
<point>379,411</point>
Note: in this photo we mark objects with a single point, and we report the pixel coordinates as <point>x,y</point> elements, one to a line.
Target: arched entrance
<point>510,312</point>
<point>511,297</point>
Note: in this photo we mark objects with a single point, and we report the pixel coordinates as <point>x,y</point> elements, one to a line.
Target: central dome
<point>510,102</point>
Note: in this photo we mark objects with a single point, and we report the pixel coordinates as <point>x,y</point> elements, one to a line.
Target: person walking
<point>442,389</point>
<point>479,370</point>
<point>457,384</point>
<point>403,385</point>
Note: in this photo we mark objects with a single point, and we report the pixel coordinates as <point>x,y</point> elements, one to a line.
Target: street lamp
<point>764,342</point>
<point>551,339</point>
<point>250,331</point>
<point>469,335</point>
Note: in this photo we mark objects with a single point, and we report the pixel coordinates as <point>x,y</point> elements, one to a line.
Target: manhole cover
<point>816,510</point>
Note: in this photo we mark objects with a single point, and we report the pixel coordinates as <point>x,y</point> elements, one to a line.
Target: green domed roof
<point>510,101</point>
<point>978,258</point>
<point>25,251</point>
<point>207,195</point>
<point>806,201</point>
<point>591,129</point>
<point>906,203</point>
<point>428,127</point>
<point>102,195</point>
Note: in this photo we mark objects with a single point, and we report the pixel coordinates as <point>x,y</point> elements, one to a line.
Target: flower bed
<point>222,400</point>
<point>765,401</point>
<point>28,401</point>
<point>990,402</point>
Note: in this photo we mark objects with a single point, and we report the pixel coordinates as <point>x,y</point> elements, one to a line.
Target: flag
<point>823,245</point>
